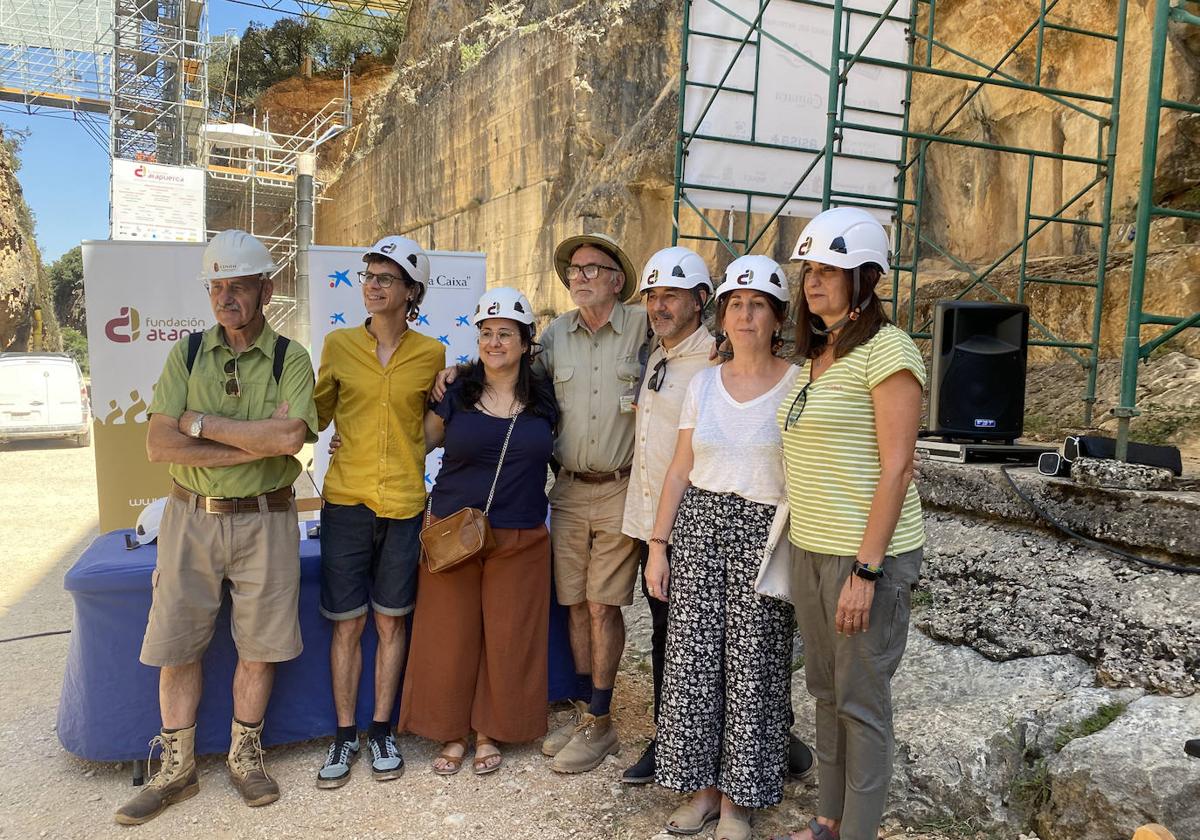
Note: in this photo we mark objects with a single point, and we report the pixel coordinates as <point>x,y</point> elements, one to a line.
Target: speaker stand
<point>959,452</point>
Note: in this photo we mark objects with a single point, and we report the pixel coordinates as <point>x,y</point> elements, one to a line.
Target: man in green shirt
<point>230,411</point>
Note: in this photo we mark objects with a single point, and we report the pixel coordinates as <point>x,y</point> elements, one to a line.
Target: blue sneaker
<point>336,771</point>
<point>386,761</point>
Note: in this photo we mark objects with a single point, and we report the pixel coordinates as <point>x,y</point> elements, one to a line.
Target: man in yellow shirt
<point>373,383</point>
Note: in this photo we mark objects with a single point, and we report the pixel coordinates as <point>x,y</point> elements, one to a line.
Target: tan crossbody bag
<point>464,534</point>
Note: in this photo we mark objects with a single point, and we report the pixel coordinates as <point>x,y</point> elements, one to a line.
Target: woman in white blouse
<point>723,725</point>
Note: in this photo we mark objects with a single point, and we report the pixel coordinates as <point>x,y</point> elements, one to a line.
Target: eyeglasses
<point>233,385</point>
<point>797,407</point>
<point>590,271</point>
<point>658,376</point>
<point>503,336</point>
<point>385,281</point>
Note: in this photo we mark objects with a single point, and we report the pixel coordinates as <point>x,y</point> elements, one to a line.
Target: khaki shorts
<point>257,553</point>
<point>593,560</point>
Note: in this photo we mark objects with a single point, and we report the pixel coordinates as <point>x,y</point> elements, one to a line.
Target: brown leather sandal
<point>452,763</point>
<point>482,765</point>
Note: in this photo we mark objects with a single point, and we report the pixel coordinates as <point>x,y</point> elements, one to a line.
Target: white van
<point>43,395</point>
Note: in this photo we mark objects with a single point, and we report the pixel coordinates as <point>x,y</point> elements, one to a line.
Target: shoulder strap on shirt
<point>193,349</point>
<point>281,345</point>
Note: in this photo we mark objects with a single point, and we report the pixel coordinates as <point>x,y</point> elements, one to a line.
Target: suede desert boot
<point>594,740</point>
<point>246,766</point>
<point>558,739</point>
<point>175,781</point>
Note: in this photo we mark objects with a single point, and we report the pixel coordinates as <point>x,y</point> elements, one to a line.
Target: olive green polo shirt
<point>595,379</point>
<point>204,391</point>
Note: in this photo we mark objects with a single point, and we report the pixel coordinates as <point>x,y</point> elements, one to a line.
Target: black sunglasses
<point>233,386</point>
<point>658,376</point>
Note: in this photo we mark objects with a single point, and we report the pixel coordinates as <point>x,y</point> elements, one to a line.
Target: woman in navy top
<point>478,658</point>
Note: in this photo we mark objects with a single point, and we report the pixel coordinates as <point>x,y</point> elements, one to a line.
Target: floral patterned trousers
<point>726,688</point>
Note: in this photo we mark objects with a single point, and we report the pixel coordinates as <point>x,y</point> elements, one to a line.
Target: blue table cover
<point>109,705</point>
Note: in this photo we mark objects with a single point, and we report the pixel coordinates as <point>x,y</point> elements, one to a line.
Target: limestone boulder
<point>1133,771</point>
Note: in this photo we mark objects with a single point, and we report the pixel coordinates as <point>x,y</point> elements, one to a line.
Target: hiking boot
<point>558,739</point>
<point>246,767</point>
<point>802,764</point>
<point>336,770</point>
<point>386,761</point>
<point>642,773</point>
<point>594,740</point>
<point>175,781</point>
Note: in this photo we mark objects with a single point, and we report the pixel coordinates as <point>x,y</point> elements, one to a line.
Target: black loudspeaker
<point>977,386</point>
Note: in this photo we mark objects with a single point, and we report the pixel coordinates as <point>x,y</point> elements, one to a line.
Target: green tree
<point>350,33</point>
<point>66,289</point>
<point>75,343</point>
<point>271,54</point>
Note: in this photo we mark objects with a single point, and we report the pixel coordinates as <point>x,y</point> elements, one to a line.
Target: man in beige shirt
<point>675,285</point>
<point>592,356</point>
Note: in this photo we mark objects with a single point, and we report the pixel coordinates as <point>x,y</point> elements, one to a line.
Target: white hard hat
<point>758,273</point>
<point>235,253</point>
<point>148,521</point>
<point>503,302</point>
<point>405,253</point>
<point>846,237</point>
<point>675,268</point>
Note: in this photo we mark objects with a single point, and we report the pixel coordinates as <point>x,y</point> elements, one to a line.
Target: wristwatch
<point>865,572</point>
<point>197,426</point>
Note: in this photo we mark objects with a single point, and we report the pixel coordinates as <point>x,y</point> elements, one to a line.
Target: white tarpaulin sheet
<point>789,107</point>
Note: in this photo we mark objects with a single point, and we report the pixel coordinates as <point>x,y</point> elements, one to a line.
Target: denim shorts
<point>367,560</point>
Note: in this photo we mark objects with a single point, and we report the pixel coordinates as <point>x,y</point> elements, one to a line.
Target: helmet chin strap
<point>852,315</point>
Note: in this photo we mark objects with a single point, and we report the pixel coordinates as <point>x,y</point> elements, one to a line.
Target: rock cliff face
<point>22,284</point>
<point>511,125</point>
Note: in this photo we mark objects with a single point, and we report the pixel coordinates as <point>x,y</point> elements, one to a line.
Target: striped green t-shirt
<point>831,455</point>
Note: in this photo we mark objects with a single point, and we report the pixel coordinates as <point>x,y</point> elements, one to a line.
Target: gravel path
<point>47,494</point>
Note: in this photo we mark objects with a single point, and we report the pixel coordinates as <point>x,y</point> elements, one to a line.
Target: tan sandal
<point>689,819</point>
<point>482,765</point>
<point>452,763</point>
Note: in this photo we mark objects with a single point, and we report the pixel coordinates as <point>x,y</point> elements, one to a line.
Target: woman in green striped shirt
<point>849,429</point>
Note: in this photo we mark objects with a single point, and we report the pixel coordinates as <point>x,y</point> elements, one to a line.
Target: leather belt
<point>599,478</point>
<point>276,500</point>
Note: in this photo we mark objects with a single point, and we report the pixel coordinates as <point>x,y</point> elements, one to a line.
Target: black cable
<point>36,636</point>
<point>1126,555</point>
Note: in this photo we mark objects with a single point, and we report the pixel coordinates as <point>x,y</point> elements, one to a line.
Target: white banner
<point>456,282</point>
<point>154,202</point>
<point>141,298</point>
<point>772,96</point>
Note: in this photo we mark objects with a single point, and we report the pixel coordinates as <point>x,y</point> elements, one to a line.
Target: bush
<point>75,343</point>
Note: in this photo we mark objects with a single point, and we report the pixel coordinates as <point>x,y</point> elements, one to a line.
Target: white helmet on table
<point>503,302</point>
<point>758,273</point>
<point>149,520</point>
<point>676,267</point>
<point>235,253</point>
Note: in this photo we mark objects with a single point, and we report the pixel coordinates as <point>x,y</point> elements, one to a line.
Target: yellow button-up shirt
<point>379,412</point>
<point>594,375</point>
<point>658,427</point>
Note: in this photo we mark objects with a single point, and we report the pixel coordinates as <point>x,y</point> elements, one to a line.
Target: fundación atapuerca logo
<point>129,326</point>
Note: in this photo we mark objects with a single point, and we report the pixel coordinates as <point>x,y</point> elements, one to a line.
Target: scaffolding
<point>55,58</point>
<point>159,80</point>
<point>1133,350</point>
<point>929,55</point>
<point>251,184</point>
